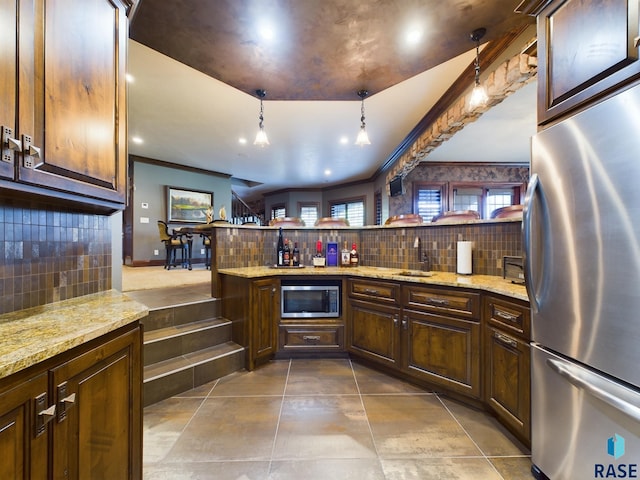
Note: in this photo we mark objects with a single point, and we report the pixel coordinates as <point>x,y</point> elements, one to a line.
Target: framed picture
<point>188,206</point>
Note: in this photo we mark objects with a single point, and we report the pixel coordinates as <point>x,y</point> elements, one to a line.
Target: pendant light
<point>261,137</point>
<point>363,138</point>
<point>479,94</point>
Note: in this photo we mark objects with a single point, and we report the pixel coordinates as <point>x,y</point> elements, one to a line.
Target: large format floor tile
<point>324,419</point>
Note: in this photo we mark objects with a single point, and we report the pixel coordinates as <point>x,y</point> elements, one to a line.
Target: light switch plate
<point>144,205</point>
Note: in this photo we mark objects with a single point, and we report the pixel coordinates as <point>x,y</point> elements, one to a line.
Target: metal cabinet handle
<point>371,291</point>
<point>44,416</point>
<point>405,322</point>
<point>438,301</point>
<point>505,339</point>
<point>395,320</point>
<point>505,316</point>
<point>65,402</point>
<point>311,338</point>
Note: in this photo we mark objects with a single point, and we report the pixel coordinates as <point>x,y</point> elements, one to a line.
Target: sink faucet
<point>423,259</point>
<point>424,263</point>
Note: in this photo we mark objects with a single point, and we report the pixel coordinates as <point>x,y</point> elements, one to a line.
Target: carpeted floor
<point>146,278</point>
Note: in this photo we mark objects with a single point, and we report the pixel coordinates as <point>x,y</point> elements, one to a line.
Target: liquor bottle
<point>354,257</point>
<point>318,259</point>
<point>280,249</point>
<point>286,254</point>
<point>296,255</point>
<point>345,256</point>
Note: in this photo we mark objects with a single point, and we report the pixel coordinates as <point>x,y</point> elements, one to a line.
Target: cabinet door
<point>444,351</point>
<point>97,432</point>
<point>8,85</point>
<point>265,300</point>
<point>587,50</point>
<point>23,431</point>
<point>374,332</point>
<point>507,380</point>
<point>72,111</point>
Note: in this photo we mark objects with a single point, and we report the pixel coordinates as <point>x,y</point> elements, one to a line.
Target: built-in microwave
<point>310,299</point>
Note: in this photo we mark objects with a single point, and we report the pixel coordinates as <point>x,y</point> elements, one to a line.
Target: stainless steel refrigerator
<point>581,233</point>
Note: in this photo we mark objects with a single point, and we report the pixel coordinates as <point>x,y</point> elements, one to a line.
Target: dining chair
<point>172,244</point>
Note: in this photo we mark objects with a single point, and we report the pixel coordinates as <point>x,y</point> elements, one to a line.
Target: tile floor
<point>324,419</point>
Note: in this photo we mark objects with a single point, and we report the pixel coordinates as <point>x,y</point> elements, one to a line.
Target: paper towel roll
<point>464,258</point>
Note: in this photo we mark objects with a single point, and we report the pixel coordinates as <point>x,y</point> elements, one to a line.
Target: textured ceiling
<point>317,49</point>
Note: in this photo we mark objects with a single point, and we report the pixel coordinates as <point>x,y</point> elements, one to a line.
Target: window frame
<point>278,207</point>
<point>444,196</point>
<point>346,201</point>
<point>517,187</point>
<point>302,205</point>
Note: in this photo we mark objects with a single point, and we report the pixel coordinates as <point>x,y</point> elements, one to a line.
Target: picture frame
<point>187,205</point>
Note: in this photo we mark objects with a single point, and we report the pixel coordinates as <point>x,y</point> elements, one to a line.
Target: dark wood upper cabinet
<point>588,50</point>
<point>64,99</point>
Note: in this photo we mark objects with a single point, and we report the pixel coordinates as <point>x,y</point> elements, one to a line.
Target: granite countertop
<point>487,283</point>
<point>36,334</point>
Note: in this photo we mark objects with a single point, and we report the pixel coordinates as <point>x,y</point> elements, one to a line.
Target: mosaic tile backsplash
<point>380,247</point>
<point>50,255</point>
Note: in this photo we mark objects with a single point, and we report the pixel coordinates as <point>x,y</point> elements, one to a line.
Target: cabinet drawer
<point>311,337</point>
<point>444,301</point>
<point>508,315</point>
<point>383,292</point>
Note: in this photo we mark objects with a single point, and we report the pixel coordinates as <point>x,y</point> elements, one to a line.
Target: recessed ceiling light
<point>266,31</point>
<point>130,78</point>
<point>242,140</point>
<point>327,172</point>
<point>344,140</point>
<point>414,36</point>
<point>137,140</point>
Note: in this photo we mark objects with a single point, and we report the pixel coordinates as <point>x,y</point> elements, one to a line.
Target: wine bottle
<point>345,256</point>
<point>286,254</point>
<point>280,249</point>
<point>354,257</point>
<point>296,255</point>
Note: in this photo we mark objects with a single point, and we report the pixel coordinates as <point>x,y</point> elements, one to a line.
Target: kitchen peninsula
<point>464,335</point>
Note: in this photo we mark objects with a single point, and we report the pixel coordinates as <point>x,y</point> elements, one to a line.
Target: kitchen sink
<point>415,273</point>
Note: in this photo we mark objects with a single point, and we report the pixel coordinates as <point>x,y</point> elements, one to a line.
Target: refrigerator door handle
<point>534,185</point>
<point>599,387</point>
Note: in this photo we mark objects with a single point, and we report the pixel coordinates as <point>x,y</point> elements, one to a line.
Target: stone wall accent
<point>507,78</point>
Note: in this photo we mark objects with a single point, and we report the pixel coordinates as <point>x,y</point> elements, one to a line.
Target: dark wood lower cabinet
<point>507,379</point>
<point>507,362</point>
<point>444,351</point>
<point>265,313</point>
<point>77,416</point>
<point>374,332</point>
<point>24,452</point>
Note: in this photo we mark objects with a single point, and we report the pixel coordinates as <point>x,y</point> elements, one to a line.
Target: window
<point>278,211</point>
<point>498,198</point>
<point>352,210</point>
<point>467,199</point>
<point>429,199</point>
<point>308,213</point>
<point>485,198</point>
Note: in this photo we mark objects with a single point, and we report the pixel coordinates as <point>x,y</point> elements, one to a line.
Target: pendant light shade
<point>479,95</point>
<point>261,137</point>
<point>363,138</point>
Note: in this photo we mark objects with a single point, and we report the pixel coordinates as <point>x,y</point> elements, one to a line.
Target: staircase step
<point>173,341</point>
<point>176,375</point>
<point>172,315</point>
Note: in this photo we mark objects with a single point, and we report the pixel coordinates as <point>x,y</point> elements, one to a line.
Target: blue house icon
<point>615,446</point>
